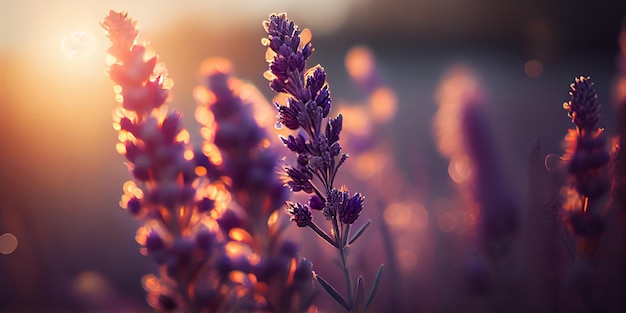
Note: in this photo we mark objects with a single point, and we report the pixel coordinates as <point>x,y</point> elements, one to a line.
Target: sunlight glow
<point>239,234</point>
<point>183,136</point>
<point>359,62</point>
<point>272,219</point>
<point>131,188</point>
<point>383,104</point>
<point>368,163</point>
<point>150,282</point>
<point>8,243</point>
<point>356,120</point>
<point>398,215</point>
<point>188,155</point>
<point>533,69</point>
<point>235,249</point>
<point>120,148</point>
<point>200,170</point>
<point>459,168</point>
<point>77,44</point>
<point>292,271</point>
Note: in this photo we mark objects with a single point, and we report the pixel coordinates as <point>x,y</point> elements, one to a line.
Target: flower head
<point>299,213</point>
<point>583,107</point>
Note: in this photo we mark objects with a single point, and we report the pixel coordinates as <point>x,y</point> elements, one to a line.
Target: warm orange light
<point>268,74</point>
<point>216,65</point>
<point>142,234</point>
<point>398,215</point>
<point>272,219</point>
<point>269,53</point>
<point>305,37</point>
<point>359,62</point>
<point>356,120</point>
<point>459,168</point>
<point>368,164</point>
<point>150,283</point>
<point>131,188</point>
<point>533,69</point>
<point>203,115</point>
<point>383,104</point>
<point>458,89</point>
<point>120,148</point>
<point>239,234</point>
<point>235,249</point>
<point>8,243</point>
<point>572,201</point>
<point>183,136</point>
<point>212,152</point>
<point>188,155</point>
<point>292,271</point>
<point>109,60</point>
<point>200,171</point>
<point>77,44</point>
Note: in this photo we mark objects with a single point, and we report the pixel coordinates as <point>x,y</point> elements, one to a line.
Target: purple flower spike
<point>300,179</point>
<point>299,213</point>
<point>351,209</point>
<point>583,108</point>
<point>316,145</point>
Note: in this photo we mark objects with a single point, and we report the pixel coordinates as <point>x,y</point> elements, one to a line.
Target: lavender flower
<point>167,192</point>
<point>316,145</point>
<point>587,158</point>
<point>463,135</point>
<point>249,169</point>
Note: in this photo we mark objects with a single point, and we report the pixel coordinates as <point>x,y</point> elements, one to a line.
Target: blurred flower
<point>249,169</point>
<point>175,203</point>
<point>463,135</point>
<point>587,157</point>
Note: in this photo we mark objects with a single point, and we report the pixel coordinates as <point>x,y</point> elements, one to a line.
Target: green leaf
<point>332,291</point>
<point>359,232</point>
<point>374,287</point>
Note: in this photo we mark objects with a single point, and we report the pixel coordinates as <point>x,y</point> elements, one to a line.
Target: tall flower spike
<point>319,154</point>
<point>167,194</point>
<point>587,158</point>
<point>583,108</point>
<point>250,167</point>
<point>465,137</point>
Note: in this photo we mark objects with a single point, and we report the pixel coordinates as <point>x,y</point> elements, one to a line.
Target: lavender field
<point>359,156</point>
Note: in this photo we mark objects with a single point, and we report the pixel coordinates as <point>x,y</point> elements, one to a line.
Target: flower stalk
<point>316,145</point>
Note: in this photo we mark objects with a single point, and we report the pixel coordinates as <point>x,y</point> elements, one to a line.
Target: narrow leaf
<point>374,286</point>
<point>323,234</point>
<point>359,232</point>
<point>331,290</point>
<point>359,306</point>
